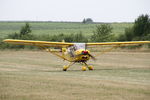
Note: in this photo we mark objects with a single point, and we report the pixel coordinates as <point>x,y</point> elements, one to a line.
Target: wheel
<point>83,68</point>
<point>65,68</point>
<point>90,67</point>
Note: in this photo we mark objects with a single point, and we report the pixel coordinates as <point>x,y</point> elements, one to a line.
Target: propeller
<point>92,56</point>
<point>84,51</point>
<point>89,53</point>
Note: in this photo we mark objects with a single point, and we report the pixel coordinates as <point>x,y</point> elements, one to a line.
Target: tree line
<point>103,33</point>
<point>139,31</point>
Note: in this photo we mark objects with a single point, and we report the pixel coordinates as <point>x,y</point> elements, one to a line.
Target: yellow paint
<point>74,56</point>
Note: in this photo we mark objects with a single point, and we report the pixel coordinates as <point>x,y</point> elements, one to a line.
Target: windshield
<point>79,46</point>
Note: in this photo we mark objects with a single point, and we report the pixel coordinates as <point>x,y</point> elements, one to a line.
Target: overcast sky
<point>73,10</point>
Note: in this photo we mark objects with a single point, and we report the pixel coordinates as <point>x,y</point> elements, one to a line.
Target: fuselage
<point>80,55</point>
<point>77,53</point>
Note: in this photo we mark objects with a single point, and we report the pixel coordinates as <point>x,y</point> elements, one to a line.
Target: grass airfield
<point>38,75</point>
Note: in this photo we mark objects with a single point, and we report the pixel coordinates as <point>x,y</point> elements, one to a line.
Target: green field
<point>40,28</point>
<point>37,75</point>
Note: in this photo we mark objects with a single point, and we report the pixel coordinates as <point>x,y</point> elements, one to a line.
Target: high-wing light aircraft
<point>72,52</point>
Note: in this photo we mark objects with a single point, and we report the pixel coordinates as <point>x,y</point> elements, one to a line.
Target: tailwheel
<point>83,68</point>
<point>90,67</point>
<point>65,68</point>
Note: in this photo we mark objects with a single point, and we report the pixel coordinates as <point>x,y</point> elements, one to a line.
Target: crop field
<point>51,28</point>
<point>38,75</point>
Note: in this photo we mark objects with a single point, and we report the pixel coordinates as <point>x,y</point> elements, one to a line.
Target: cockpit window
<point>79,46</point>
<point>75,47</point>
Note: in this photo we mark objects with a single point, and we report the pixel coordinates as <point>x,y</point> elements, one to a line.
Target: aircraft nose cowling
<point>84,57</point>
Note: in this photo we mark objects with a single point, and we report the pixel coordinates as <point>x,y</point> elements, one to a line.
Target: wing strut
<point>53,52</point>
<point>108,50</point>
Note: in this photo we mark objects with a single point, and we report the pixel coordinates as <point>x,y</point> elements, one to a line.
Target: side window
<point>71,50</point>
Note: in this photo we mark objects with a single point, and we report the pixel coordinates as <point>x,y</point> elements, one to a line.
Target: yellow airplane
<point>72,52</point>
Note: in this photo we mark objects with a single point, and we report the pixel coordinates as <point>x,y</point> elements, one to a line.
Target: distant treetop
<point>87,20</point>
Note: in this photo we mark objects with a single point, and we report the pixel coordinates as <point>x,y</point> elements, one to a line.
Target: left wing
<point>114,45</point>
<point>118,43</point>
<point>38,43</point>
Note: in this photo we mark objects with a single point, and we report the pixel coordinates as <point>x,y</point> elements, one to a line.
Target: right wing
<point>38,43</point>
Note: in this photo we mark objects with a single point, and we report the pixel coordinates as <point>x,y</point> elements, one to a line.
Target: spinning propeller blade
<point>92,56</point>
<point>89,53</point>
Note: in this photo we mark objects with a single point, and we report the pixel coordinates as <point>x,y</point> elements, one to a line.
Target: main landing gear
<point>84,67</point>
<point>67,66</point>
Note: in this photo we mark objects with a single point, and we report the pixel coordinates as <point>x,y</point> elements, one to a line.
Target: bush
<point>102,33</point>
<point>139,31</point>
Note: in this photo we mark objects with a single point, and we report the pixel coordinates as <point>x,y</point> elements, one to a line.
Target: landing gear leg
<point>86,65</point>
<point>65,67</point>
<point>83,66</point>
